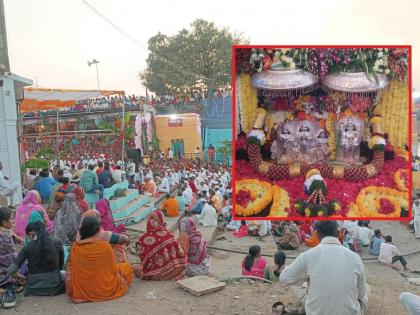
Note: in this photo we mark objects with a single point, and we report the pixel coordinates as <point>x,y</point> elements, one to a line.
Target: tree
<point>195,60</point>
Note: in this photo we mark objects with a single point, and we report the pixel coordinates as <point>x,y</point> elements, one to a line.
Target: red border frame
<point>410,100</point>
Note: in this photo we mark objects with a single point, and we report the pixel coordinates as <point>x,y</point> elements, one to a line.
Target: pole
<point>123,133</point>
<point>57,132</point>
<point>97,76</point>
<point>4,54</point>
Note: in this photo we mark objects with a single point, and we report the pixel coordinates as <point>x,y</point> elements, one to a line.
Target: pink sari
<point>102,206</point>
<point>257,269</point>
<point>31,202</point>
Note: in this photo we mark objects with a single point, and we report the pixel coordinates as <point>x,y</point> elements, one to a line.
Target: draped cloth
<point>102,235</point>
<point>31,202</point>
<point>107,220</point>
<point>196,243</point>
<point>67,220</point>
<point>80,197</point>
<point>93,275</point>
<point>161,255</point>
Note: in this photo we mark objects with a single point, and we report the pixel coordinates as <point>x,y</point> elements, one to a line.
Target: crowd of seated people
<point>55,242</point>
<point>132,101</point>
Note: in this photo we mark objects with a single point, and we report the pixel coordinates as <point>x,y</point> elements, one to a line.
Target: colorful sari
<point>31,202</point>
<point>67,221</point>
<point>7,256</point>
<point>194,244</point>
<point>102,235</point>
<point>107,220</point>
<point>80,197</point>
<point>93,275</point>
<point>161,255</point>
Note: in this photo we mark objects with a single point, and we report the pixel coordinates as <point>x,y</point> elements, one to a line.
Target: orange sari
<point>92,274</point>
<point>313,241</point>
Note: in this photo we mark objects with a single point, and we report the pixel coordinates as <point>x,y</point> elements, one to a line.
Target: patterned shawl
<point>159,252</point>
<point>197,245</point>
<point>67,220</point>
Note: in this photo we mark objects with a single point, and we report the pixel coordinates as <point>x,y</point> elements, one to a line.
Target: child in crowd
<point>253,264</point>
<point>7,256</point>
<point>375,243</point>
<point>272,273</point>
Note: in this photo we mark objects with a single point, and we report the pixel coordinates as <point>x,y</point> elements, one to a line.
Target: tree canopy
<point>193,60</point>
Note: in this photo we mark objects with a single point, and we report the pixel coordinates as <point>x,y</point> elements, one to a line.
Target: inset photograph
<point>322,132</point>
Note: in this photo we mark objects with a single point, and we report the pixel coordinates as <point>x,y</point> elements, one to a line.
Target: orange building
<point>180,132</point>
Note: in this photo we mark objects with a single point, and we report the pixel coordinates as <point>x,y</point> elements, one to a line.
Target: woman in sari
<point>80,197</point>
<point>107,220</point>
<point>55,205</point>
<point>45,260</point>
<point>31,202</point>
<point>193,243</point>
<point>67,222</point>
<point>117,241</point>
<point>92,272</point>
<point>161,255</point>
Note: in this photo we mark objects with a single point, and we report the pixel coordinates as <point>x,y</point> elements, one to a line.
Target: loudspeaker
<point>135,155</point>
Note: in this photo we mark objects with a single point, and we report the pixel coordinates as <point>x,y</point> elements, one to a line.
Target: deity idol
<point>286,144</point>
<point>306,142</point>
<point>350,139</point>
<point>322,150</point>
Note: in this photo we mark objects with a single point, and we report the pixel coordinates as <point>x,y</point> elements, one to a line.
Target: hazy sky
<point>53,39</point>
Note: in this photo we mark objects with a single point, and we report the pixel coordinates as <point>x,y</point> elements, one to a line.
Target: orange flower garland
<point>368,202</point>
<point>399,181</point>
<point>262,191</point>
<point>281,203</point>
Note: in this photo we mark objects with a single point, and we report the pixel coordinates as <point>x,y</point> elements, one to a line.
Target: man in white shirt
<point>164,185</point>
<point>411,303</point>
<point>7,189</point>
<point>117,174</point>
<point>131,169</point>
<point>208,216</point>
<point>174,178</point>
<point>170,154</point>
<point>365,234</point>
<point>67,173</point>
<point>335,274</point>
<point>187,194</point>
<point>389,253</point>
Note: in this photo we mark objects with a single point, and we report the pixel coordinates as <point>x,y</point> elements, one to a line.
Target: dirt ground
<point>238,297</point>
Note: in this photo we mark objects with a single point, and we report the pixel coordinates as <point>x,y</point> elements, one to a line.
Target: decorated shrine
<point>324,130</point>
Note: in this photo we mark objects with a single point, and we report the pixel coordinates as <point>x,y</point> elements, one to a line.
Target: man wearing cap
<point>335,274</point>
<point>163,184</point>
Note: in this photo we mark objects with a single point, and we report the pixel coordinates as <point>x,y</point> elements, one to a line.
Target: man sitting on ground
<point>149,186</point>
<point>118,174</point>
<point>170,206</point>
<point>337,277</point>
<point>89,182</point>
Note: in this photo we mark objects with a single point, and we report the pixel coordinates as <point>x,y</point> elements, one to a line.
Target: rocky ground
<point>238,297</point>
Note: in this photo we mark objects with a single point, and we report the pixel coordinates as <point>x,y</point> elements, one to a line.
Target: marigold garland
<point>262,191</point>
<point>248,102</point>
<point>281,203</point>
<point>399,180</point>
<point>329,124</point>
<point>368,202</point>
<point>393,107</point>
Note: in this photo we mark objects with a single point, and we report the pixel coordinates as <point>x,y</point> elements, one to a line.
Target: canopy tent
<point>36,99</point>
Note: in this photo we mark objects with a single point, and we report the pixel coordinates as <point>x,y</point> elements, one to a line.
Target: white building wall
<point>10,86</point>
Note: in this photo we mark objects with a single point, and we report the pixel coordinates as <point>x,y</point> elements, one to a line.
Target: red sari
<point>162,257</point>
